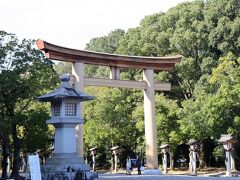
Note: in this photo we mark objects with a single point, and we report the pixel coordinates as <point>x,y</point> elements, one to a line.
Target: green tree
<point>203,32</point>
<point>24,74</point>
<point>226,99</point>
<point>222,19</point>
<point>106,44</point>
<point>109,119</point>
<point>62,68</point>
<point>167,117</point>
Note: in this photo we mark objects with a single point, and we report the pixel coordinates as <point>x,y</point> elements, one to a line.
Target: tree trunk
<point>202,160</point>
<point>16,152</point>
<point>171,161</point>
<point>5,157</point>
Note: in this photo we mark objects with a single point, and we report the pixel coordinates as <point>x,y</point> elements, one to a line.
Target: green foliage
<point>109,120</point>
<point>193,122</point>
<point>218,152</point>
<point>62,68</point>
<point>35,132</point>
<point>227,77</point>
<point>167,116</point>
<point>130,43</point>
<point>106,44</point>
<point>112,109</point>
<point>24,75</point>
<point>204,101</point>
<point>222,18</point>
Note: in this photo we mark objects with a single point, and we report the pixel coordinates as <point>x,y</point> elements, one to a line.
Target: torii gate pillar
<point>150,124</point>
<point>78,72</point>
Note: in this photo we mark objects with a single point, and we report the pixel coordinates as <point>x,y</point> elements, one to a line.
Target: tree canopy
<point>204,99</point>
<point>24,75</point>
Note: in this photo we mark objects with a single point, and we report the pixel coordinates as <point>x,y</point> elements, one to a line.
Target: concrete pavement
<point>161,177</point>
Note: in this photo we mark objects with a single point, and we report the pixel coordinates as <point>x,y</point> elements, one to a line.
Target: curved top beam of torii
<point>89,57</point>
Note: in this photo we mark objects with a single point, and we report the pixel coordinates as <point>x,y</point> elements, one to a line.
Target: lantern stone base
<point>65,163</point>
<point>152,172</point>
<point>67,166</point>
<point>70,175</point>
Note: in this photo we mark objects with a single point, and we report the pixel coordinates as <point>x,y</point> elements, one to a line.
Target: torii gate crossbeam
<point>148,64</point>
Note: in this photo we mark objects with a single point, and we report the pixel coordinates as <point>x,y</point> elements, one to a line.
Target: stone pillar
<point>114,72</point>
<point>190,161</point>
<point>115,163</point>
<point>232,154</point>
<point>150,124</point>
<point>194,163</point>
<point>93,165</point>
<point>165,162</point>
<point>9,165</point>
<point>64,136</point>
<point>78,72</point>
<point>228,163</point>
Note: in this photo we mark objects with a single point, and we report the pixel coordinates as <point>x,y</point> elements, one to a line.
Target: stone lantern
<point>193,147</point>
<point>164,150</point>
<point>65,116</point>
<point>115,151</point>
<point>228,140</point>
<point>93,152</point>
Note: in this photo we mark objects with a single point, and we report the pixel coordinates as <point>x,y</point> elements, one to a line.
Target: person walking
<point>128,166</point>
<point>139,164</point>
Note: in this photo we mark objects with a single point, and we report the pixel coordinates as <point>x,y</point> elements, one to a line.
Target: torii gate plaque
<point>148,64</point>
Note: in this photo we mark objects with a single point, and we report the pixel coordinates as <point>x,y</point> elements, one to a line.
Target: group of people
<point>129,165</point>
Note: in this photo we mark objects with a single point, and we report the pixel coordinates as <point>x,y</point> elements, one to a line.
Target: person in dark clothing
<point>139,164</point>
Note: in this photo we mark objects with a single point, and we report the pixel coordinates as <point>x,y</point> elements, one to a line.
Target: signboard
<point>34,165</point>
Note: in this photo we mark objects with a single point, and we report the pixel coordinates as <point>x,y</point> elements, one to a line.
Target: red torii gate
<point>79,57</point>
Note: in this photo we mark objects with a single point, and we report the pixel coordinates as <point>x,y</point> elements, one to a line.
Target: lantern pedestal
<point>65,160</point>
<point>193,147</point>
<point>65,163</point>
<point>164,149</point>
<point>228,141</point>
<point>65,151</point>
<point>165,162</point>
<point>93,152</point>
<point>228,164</point>
<point>115,151</point>
<point>194,163</point>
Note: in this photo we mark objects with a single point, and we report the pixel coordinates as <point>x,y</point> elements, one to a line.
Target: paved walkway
<point>161,177</point>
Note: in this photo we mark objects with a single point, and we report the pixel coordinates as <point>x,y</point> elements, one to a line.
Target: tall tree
<point>24,74</point>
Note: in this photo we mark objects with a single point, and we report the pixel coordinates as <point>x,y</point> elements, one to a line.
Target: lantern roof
<point>226,138</point>
<point>192,141</point>
<point>92,149</point>
<point>65,91</point>
<point>163,146</point>
<point>114,148</point>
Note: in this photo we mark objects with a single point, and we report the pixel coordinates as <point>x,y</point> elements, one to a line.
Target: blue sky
<point>72,23</point>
